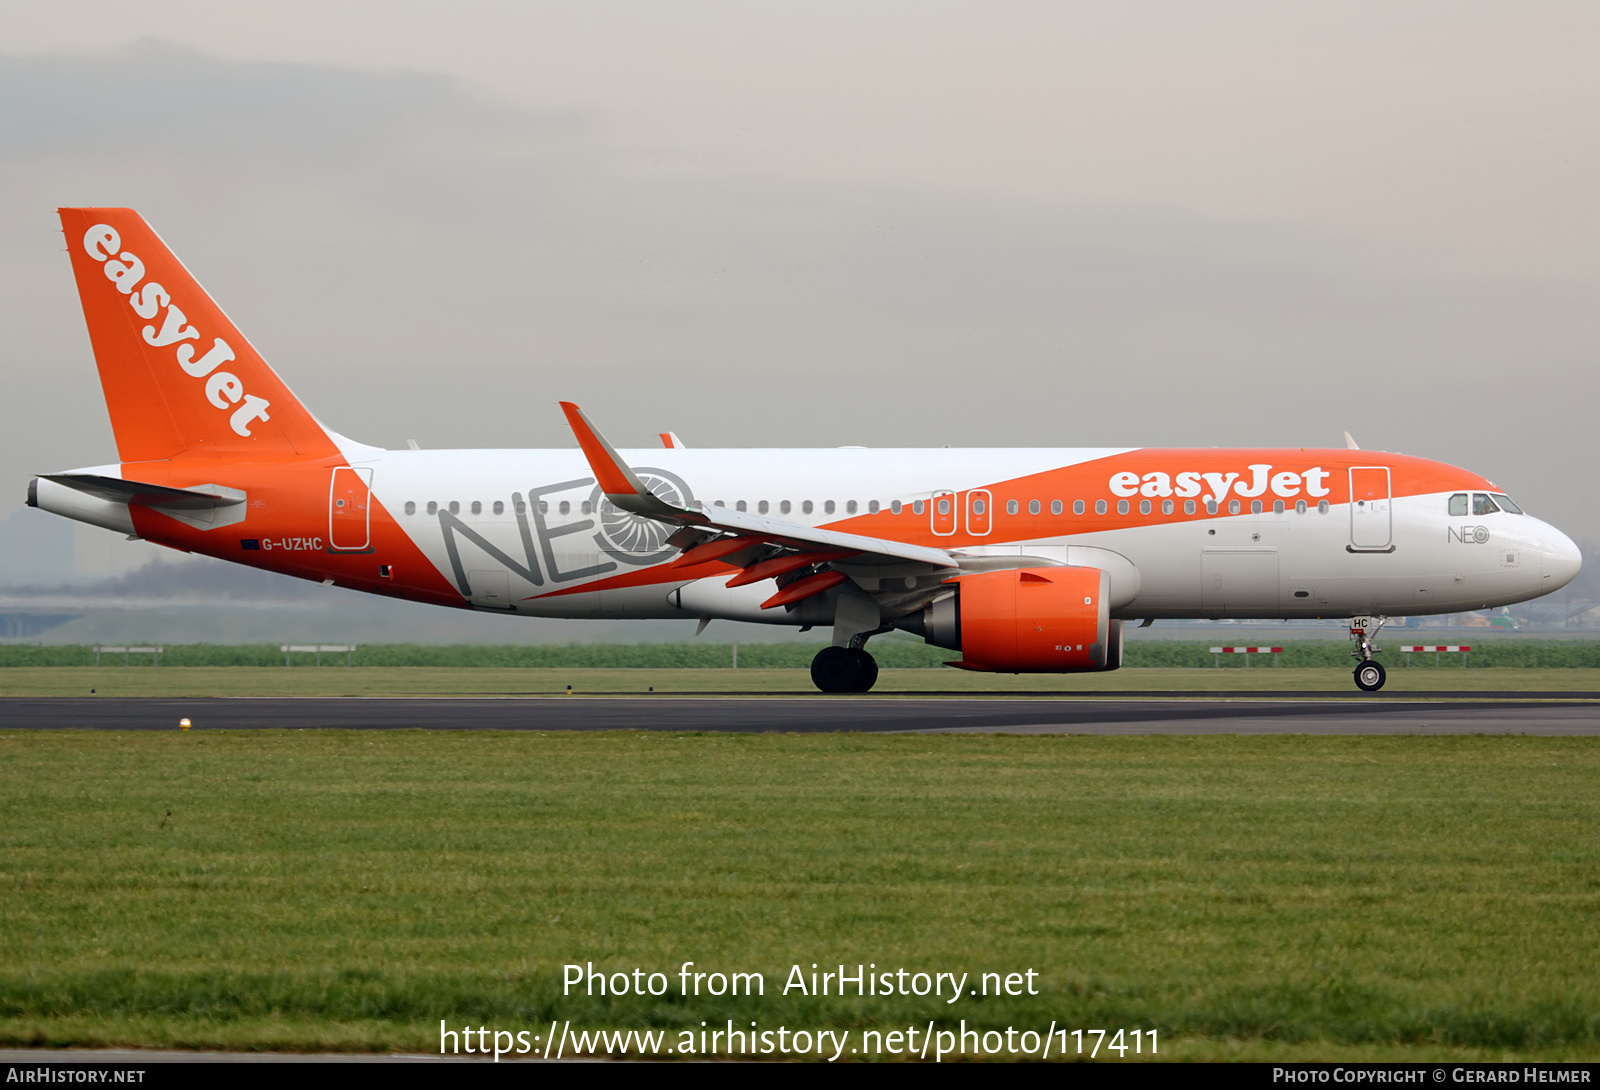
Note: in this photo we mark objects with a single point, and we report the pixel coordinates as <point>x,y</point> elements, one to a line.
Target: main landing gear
<point>1369,674</point>
<point>844,670</point>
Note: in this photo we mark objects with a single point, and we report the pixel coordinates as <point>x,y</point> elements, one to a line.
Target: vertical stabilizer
<point>179,379</point>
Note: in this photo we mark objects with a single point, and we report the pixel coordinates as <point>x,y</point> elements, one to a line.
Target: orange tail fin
<point>179,378</point>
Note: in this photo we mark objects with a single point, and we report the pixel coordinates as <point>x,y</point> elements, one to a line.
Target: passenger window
<point>783,507</point>
<point>872,507</point>
<point>1483,505</point>
<point>586,507</point>
<point>477,507</point>
<point>1458,505</point>
<point>1055,507</point>
<point>918,506</point>
<point>807,507</point>
<point>1322,507</point>
<point>761,507</point>
<point>411,507</point>
<point>1011,507</point>
<point>1233,507</point>
<point>1277,507</point>
<point>895,507</point>
<point>1255,507</point>
<point>1299,507</point>
<point>1144,507</point>
<point>544,507</point>
<point>740,506</point>
<point>1033,507</point>
<point>850,507</point>
<point>943,506</point>
<point>433,508</point>
<point>1506,504</point>
<point>827,507</point>
<point>1122,507</point>
<point>564,507</point>
<point>1099,507</point>
<point>1077,507</point>
<point>1211,507</point>
<point>455,507</point>
<point>1166,507</point>
<point>1188,507</point>
<point>499,507</point>
<point>978,506</point>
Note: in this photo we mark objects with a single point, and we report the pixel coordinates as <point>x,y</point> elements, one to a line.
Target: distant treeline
<point>890,653</point>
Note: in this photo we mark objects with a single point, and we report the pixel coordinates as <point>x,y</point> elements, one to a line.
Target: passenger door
<point>349,509</point>
<point>1371,523</point>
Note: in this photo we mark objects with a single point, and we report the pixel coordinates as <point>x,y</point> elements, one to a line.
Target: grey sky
<point>813,224</point>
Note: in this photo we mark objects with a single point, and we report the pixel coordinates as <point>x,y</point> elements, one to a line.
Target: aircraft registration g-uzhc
<point>1020,560</point>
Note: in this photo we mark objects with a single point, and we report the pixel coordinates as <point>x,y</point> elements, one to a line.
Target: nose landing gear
<point>844,670</point>
<point>1369,675</point>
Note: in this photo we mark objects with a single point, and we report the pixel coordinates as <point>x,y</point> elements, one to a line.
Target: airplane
<point>1018,560</point>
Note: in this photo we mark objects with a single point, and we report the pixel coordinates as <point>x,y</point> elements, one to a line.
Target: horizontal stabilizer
<point>118,490</point>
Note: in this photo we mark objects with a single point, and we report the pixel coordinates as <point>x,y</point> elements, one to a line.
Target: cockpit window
<point>1483,505</point>
<point>1506,504</point>
<point>1458,504</point>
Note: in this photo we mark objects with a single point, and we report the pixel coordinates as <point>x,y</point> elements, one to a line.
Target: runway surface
<point>1506,713</point>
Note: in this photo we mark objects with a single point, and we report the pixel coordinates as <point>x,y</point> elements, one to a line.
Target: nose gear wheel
<point>1370,677</point>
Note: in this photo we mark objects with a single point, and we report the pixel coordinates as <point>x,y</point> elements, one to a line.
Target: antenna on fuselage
<point>1349,443</point>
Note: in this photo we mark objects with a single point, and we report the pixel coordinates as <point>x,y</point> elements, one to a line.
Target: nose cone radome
<point>1561,560</point>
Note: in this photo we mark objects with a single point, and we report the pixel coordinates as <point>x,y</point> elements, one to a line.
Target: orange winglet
<point>805,588</point>
<point>766,569</point>
<point>614,477</point>
<point>715,550</point>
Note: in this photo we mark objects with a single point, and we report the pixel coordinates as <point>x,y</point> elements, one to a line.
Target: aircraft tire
<point>843,670</point>
<point>1370,677</point>
<point>869,670</point>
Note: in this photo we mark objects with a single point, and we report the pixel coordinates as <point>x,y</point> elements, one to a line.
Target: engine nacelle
<point>1028,620</point>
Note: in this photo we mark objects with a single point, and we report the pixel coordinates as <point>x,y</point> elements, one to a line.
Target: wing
<point>805,559</point>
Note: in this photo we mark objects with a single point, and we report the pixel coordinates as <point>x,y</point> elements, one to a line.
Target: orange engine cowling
<point>1029,620</point>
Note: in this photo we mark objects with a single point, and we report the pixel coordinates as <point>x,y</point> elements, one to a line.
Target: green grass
<point>1267,898</point>
<point>196,681</point>
<point>897,652</point>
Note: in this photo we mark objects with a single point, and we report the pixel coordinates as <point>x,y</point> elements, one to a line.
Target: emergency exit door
<point>980,507</point>
<point>1371,522</point>
<point>350,509</point>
